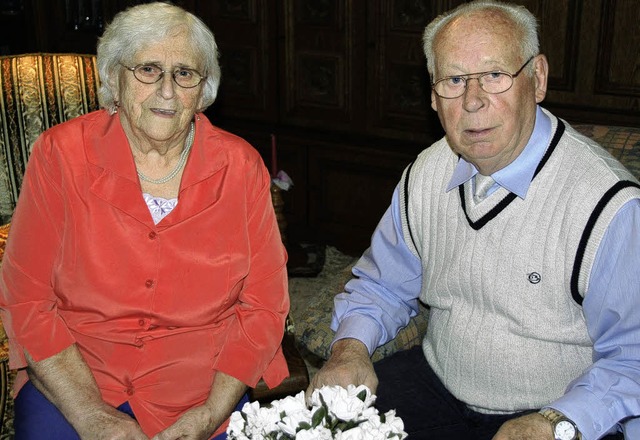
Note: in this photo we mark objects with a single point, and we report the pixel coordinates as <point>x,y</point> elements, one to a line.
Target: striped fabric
<point>38,91</point>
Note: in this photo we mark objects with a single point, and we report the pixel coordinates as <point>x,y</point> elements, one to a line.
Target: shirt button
<point>152,235</point>
<point>149,283</point>
<point>129,391</point>
<point>141,322</point>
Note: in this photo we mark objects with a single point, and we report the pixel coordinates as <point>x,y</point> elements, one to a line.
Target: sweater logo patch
<point>534,277</point>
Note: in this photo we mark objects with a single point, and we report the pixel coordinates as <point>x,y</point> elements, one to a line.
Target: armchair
<point>38,91</point>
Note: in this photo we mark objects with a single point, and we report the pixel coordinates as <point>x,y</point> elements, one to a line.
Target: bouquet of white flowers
<point>333,413</point>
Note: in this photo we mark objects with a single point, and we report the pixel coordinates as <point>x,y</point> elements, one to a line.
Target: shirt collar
<point>515,177</point>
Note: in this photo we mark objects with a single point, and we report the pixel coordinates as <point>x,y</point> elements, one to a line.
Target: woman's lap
<point>34,414</point>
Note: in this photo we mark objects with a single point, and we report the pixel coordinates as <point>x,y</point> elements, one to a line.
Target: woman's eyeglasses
<point>151,73</point>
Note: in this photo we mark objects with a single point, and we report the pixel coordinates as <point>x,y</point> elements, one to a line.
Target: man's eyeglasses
<point>494,81</point>
<point>151,73</point>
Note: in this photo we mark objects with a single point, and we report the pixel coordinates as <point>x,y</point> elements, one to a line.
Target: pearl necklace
<point>183,159</point>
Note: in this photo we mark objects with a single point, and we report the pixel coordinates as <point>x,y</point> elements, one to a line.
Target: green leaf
<point>362,395</point>
<point>319,415</point>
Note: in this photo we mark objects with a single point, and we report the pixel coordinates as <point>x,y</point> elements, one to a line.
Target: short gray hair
<point>140,25</point>
<point>521,17</point>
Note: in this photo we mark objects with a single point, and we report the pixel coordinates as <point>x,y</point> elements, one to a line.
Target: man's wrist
<point>562,427</point>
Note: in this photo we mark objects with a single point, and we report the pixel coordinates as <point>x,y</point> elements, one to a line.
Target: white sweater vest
<point>504,278</point>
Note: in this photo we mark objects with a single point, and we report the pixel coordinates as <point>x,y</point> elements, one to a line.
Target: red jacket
<point>155,310</point>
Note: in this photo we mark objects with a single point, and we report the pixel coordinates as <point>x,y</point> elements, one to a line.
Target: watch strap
<point>555,416</point>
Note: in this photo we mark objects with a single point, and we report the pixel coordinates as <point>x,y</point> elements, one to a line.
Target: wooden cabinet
<point>343,84</point>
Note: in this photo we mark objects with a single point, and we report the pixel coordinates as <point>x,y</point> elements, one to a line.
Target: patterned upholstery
<point>6,376</point>
<point>38,91</point>
<point>312,307</point>
<point>622,142</point>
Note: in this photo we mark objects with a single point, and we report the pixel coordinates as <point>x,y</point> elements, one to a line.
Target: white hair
<point>141,25</point>
<point>523,20</point>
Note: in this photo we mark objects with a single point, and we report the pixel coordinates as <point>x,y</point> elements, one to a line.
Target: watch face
<point>565,430</point>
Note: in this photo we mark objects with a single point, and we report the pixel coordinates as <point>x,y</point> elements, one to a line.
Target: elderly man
<point>523,238</point>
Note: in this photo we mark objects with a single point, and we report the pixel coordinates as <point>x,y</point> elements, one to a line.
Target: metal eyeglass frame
<point>477,76</point>
<point>161,75</point>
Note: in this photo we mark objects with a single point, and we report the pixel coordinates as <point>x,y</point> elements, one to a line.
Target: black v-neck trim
<point>506,201</point>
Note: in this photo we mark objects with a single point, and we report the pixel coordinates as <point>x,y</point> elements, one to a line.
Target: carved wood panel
<point>246,34</point>
<point>619,51</point>
<point>349,190</point>
<point>398,82</point>
<point>322,71</point>
<point>600,62</point>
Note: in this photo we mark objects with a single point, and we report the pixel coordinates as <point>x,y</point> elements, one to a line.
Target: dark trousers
<point>429,411</point>
<point>35,415</point>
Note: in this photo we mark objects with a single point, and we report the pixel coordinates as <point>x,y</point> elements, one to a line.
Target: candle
<point>274,159</point>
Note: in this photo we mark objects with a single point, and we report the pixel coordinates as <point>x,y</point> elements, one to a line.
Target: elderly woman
<point>144,283</point>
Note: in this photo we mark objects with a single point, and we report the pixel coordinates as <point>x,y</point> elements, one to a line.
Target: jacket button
<point>149,283</point>
<point>152,235</point>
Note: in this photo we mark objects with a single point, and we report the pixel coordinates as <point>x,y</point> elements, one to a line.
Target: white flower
<point>317,433</point>
<point>260,420</point>
<point>291,404</point>
<point>296,413</point>
<point>376,429</point>
<point>236,425</point>
<point>344,404</point>
<point>356,433</point>
<point>333,412</point>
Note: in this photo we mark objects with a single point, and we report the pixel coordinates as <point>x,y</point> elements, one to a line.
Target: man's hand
<point>530,427</point>
<point>349,364</point>
<point>195,424</point>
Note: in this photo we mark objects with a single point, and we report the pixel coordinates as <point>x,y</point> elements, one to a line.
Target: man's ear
<point>433,101</point>
<point>541,76</point>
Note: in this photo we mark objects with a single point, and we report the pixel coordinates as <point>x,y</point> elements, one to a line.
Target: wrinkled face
<point>159,113</point>
<point>488,130</point>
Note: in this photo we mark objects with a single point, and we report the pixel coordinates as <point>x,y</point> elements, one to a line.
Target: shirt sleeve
<point>252,347</point>
<point>29,304</point>
<point>383,296</point>
<point>606,395</point>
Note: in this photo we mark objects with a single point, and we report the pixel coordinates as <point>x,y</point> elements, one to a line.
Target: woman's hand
<point>110,424</point>
<point>195,424</point>
<point>200,422</point>
<point>349,364</point>
<point>66,381</point>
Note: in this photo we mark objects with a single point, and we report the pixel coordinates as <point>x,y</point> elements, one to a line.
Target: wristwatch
<point>563,428</point>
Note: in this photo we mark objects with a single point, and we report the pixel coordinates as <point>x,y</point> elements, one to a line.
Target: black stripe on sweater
<point>406,205</point>
<point>588,229</point>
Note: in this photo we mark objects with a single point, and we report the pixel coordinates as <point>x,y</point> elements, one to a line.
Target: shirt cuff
<point>358,327</point>
<point>592,417</point>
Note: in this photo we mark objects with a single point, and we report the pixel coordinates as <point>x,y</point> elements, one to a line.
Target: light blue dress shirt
<point>384,297</point>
